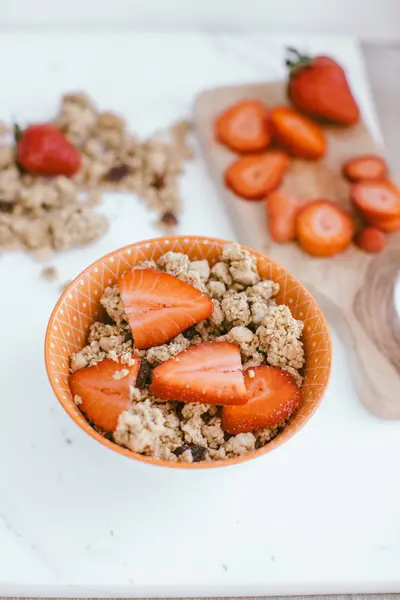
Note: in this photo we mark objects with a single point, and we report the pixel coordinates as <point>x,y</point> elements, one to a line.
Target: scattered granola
<point>59,213</point>
<point>245,313</point>
<point>49,273</point>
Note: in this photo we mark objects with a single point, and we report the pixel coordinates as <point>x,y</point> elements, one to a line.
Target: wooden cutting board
<point>354,289</point>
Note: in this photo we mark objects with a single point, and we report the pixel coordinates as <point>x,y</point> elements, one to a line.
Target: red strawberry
<point>44,150</point>
<point>103,390</point>
<point>282,210</point>
<point>273,397</point>
<point>386,225</point>
<point>376,200</point>
<point>371,239</point>
<point>319,88</point>
<point>296,133</point>
<point>210,373</point>
<point>365,168</point>
<point>255,175</point>
<point>160,306</point>
<point>243,127</point>
<point>323,228</point>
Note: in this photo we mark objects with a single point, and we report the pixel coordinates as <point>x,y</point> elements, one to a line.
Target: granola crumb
<point>236,309</point>
<point>263,290</point>
<point>279,337</point>
<point>216,289</point>
<point>135,394</point>
<point>140,428</point>
<point>78,400</point>
<point>245,339</point>
<point>257,359</point>
<point>202,268</point>
<point>169,219</point>
<point>159,354</point>
<point>220,272</point>
<point>49,273</point>
<point>174,263</point>
<point>240,444</point>
<point>121,374</point>
<point>112,303</point>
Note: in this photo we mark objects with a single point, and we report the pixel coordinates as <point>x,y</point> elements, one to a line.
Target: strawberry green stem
<point>295,61</point>
<point>17,132</point>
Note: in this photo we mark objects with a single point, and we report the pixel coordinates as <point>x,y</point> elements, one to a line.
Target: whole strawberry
<point>44,150</point>
<point>319,87</point>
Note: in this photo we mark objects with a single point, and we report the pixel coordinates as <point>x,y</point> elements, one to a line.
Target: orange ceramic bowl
<point>79,306</point>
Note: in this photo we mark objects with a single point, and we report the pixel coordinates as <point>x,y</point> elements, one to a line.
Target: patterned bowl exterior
<point>79,306</point>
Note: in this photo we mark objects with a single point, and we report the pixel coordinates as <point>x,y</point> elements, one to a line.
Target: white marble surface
<point>372,20</point>
<point>320,515</point>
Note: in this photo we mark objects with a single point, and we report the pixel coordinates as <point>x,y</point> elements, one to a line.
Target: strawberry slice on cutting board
<point>282,210</point>
<point>243,127</point>
<point>376,200</point>
<point>273,397</point>
<point>323,228</point>
<point>365,168</point>
<point>102,391</point>
<point>253,176</point>
<point>210,373</point>
<point>160,306</point>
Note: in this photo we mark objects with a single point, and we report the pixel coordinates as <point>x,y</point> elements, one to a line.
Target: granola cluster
<point>43,214</point>
<point>245,313</point>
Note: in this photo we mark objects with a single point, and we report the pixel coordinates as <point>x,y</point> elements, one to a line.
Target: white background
<point>369,19</point>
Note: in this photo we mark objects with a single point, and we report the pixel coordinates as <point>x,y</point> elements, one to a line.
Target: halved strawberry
<point>371,239</point>
<point>376,199</point>
<point>160,306</point>
<point>103,390</point>
<point>365,168</point>
<point>255,175</point>
<point>282,210</point>
<point>386,225</point>
<point>323,228</point>
<point>273,397</point>
<point>210,373</point>
<point>297,134</point>
<point>243,127</point>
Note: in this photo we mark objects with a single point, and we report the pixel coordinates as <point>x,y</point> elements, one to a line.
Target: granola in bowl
<point>186,399</point>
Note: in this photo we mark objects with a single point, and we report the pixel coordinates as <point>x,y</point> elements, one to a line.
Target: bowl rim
<point>87,428</point>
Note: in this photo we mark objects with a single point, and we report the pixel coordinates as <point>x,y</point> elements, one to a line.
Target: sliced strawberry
<point>365,168</point>
<point>386,225</point>
<point>160,306</point>
<point>376,200</point>
<point>243,127</point>
<point>371,239</point>
<point>256,175</point>
<point>282,210</point>
<point>210,373</point>
<point>297,134</point>
<point>102,391</point>
<point>323,228</point>
<point>273,397</point>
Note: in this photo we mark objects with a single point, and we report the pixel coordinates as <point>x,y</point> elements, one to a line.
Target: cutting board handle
<point>375,326</point>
